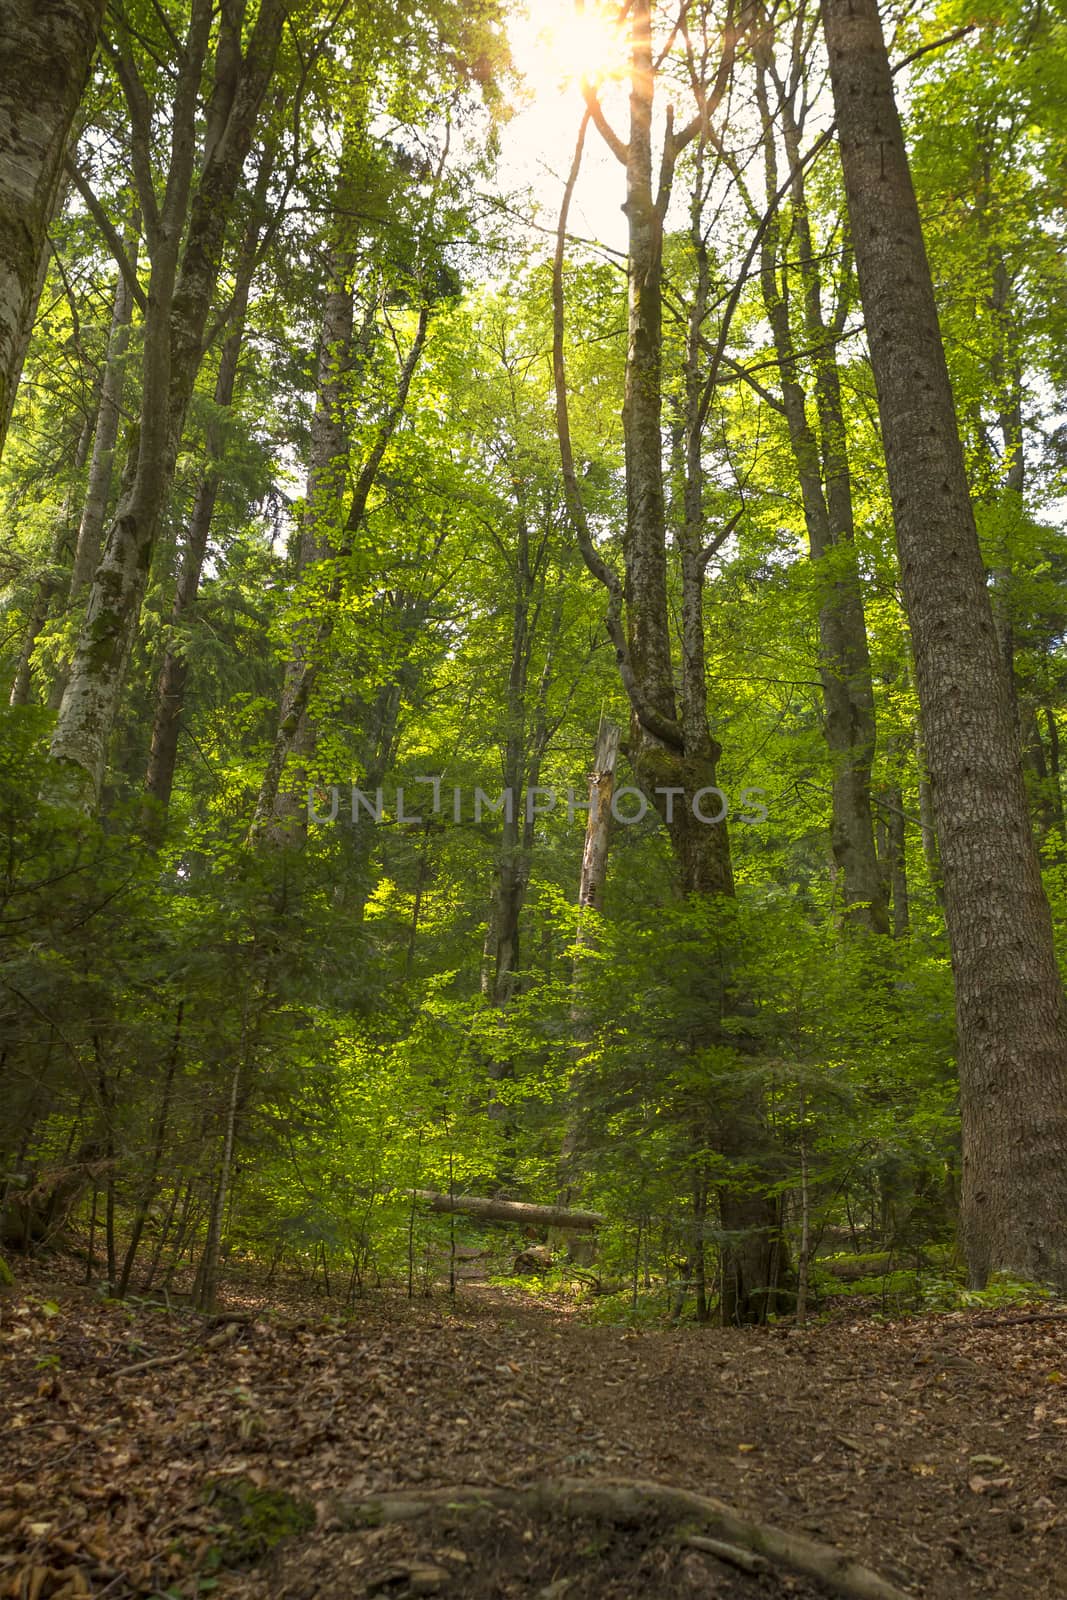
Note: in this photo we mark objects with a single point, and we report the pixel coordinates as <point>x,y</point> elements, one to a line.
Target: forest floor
<point>147,1452</point>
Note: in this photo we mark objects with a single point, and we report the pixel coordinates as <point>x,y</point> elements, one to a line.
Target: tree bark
<point>825,481</point>
<point>671,749</point>
<point>174,674</point>
<point>46,49</point>
<point>185,244</point>
<point>1009,997</point>
<point>323,518</point>
<point>101,464</point>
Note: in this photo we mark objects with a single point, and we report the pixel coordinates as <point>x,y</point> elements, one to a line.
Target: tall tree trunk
<point>594,874</point>
<point>101,465</point>
<point>185,244</point>
<point>1009,997</point>
<point>892,857</point>
<point>671,749</point>
<point>323,519</point>
<point>148,1187</point>
<point>525,745</point>
<point>826,494</point>
<point>46,49</point>
<point>205,1288</point>
<point>591,884</point>
<point>174,674</point>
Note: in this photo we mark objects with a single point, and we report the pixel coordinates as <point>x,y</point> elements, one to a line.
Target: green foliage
<point>252,1520</point>
<point>286,1039</point>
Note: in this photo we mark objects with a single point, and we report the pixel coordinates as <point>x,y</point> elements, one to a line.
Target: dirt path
<point>935,1451</point>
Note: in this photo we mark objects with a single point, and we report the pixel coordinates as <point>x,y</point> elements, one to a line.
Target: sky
<point>537,145</point>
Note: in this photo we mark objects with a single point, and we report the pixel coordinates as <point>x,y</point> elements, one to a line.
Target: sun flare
<point>576,43</point>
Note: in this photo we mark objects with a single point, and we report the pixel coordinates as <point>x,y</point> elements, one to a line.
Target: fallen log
<point>631,1501</point>
<point>473,1205</point>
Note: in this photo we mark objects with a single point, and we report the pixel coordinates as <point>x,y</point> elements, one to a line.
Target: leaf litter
<point>148,1453</point>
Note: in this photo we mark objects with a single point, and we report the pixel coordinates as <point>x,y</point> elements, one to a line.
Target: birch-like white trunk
<point>46,47</point>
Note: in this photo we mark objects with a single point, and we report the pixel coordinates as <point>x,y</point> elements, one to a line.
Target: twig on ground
<point>731,1553</point>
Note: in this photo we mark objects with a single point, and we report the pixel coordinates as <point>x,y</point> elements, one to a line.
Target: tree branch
<point>618,148</point>
<point>110,233</point>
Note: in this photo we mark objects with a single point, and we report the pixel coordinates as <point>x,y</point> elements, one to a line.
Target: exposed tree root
<point>634,1500</point>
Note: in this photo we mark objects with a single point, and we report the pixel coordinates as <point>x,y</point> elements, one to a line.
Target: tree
<point>820,455</point>
<point>214,115</point>
<point>46,49</point>
<point>672,749</point>
<point>1009,995</point>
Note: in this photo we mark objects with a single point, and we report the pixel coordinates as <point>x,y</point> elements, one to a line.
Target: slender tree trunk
<point>164,1233</point>
<point>1009,997</point>
<point>896,852</point>
<point>174,675</point>
<point>299,688</point>
<point>323,520</point>
<point>148,1188</point>
<point>525,745</point>
<point>804,1253</point>
<point>101,467</point>
<point>46,49</point>
<point>927,823</point>
<point>594,875</point>
<point>207,1276</point>
<point>185,243</point>
<point>101,464</point>
<point>591,884</point>
<point>826,495</point>
<point>671,748</point>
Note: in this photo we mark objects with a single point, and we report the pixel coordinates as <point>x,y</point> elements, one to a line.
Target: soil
<point>148,1452</point>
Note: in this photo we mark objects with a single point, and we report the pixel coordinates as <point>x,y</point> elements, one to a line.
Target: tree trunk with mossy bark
<point>1009,996</point>
<point>174,674</point>
<point>185,239</point>
<point>46,49</point>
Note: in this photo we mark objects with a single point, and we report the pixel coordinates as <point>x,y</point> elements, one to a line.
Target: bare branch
<point>937,44</point>
<point>618,148</point>
<point>716,544</point>
<point>110,233</point>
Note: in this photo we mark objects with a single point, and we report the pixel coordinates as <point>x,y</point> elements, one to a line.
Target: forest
<point>533,634</point>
